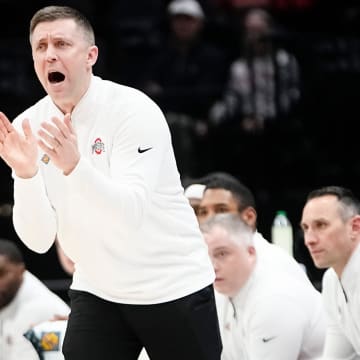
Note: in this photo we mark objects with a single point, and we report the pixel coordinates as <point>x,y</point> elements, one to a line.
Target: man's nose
<point>309,237</point>
<point>215,264</point>
<point>51,54</point>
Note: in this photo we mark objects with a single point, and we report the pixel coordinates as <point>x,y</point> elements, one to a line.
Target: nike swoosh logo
<point>140,151</point>
<point>265,340</point>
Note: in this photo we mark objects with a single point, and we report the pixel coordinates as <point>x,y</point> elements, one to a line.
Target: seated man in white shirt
<point>266,312</point>
<point>331,225</point>
<point>226,194</point>
<point>24,301</point>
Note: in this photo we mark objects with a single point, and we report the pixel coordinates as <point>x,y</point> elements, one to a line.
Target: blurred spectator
<point>257,109</point>
<point>263,83</point>
<point>185,77</point>
<point>24,302</point>
<point>188,72</point>
<point>194,193</point>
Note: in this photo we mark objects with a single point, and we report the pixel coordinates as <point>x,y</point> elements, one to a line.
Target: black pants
<point>183,329</point>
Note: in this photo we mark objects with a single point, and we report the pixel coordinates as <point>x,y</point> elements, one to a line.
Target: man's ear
<point>252,250</point>
<point>249,216</point>
<point>21,268</point>
<point>92,55</point>
<point>355,226</point>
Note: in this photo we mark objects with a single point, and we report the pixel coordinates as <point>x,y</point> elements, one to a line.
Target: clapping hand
<point>19,151</point>
<point>59,141</point>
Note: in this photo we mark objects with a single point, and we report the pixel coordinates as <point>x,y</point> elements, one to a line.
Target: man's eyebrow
<point>220,248</point>
<point>45,37</point>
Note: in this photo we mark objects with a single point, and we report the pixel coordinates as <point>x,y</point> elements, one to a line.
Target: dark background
<point>319,148</point>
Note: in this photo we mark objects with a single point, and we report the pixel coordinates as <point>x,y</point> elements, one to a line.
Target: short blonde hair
<point>238,231</point>
<point>52,13</point>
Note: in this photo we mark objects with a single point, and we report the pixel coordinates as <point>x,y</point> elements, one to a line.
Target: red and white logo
<point>98,147</point>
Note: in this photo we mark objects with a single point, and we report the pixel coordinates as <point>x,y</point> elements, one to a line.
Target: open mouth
<point>56,77</point>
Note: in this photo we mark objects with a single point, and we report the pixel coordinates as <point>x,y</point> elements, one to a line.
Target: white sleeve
<point>276,329</point>
<point>33,216</point>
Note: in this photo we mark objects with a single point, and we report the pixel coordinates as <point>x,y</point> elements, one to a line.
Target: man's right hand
<point>19,151</point>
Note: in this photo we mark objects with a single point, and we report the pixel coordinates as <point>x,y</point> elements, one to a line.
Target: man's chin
<point>222,289</point>
<point>320,264</point>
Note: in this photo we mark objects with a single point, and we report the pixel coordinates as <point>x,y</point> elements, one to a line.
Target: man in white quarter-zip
<point>266,313</point>
<point>93,166</point>
<point>331,225</point>
<point>24,301</point>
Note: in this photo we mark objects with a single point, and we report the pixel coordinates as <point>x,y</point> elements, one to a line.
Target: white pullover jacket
<point>121,214</point>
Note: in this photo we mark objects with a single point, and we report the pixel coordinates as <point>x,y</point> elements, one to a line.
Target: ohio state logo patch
<point>98,147</point>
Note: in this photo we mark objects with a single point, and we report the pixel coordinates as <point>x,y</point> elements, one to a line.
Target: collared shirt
<point>342,304</point>
<point>33,303</point>
<point>275,316</point>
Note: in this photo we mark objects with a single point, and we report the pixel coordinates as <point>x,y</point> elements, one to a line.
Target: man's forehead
<point>325,203</point>
<point>217,195</point>
<point>55,28</point>
<point>321,208</point>
<point>217,235</point>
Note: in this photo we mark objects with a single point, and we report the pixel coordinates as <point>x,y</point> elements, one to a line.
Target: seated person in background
<point>194,193</point>
<point>181,76</point>
<point>47,337</point>
<point>331,225</point>
<point>266,313</point>
<point>24,302</point>
<point>226,194</point>
<point>194,188</point>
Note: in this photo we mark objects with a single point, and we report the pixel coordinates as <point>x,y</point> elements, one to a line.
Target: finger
<point>53,130</point>
<point>50,140</point>
<point>3,130</point>
<point>6,122</point>
<point>68,123</point>
<point>3,127</point>
<point>45,148</point>
<point>61,126</point>
<point>27,129</point>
